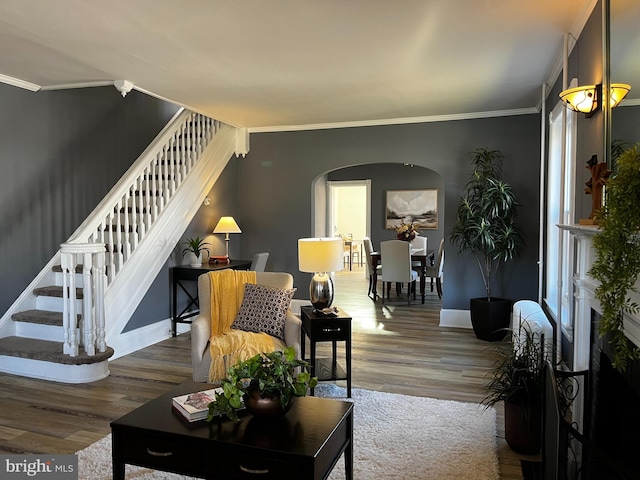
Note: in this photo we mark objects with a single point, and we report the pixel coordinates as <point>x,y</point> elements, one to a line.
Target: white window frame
<point>560,208</point>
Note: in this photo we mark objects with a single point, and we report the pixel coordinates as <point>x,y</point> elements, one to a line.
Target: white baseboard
<point>143,337</point>
<point>455,318</point>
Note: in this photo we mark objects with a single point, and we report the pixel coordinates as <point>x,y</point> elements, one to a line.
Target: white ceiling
<point>287,64</point>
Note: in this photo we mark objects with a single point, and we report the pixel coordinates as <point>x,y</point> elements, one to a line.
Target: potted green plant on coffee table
<point>265,385</point>
<point>486,227</point>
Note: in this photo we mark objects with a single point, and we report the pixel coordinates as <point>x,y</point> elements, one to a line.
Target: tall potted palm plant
<point>486,227</point>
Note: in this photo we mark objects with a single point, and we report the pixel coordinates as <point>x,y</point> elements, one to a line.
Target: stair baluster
<point>68,264</point>
<point>92,323</point>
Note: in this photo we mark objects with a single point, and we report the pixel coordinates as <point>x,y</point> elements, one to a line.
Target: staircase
<point>69,321</point>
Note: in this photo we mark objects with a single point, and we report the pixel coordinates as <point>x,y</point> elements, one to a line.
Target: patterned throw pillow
<point>263,309</point>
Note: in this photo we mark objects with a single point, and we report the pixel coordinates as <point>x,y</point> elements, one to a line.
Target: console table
<point>182,274</point>
<point>323,328</point>
<point>304,444</point>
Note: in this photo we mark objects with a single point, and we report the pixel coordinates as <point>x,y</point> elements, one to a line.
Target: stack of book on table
<point>195,406</point>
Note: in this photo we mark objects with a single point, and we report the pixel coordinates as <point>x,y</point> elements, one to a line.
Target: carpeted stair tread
<point>41,317</point>
<point>47,351</point>
<point>54,291</point>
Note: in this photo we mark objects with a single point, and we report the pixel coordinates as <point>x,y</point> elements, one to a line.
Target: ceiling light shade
<point>584,99</point>
<point>618,92</point>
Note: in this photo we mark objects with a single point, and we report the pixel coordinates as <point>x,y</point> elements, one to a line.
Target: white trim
<point>16,82</point>
<point>55,372</point>
<point>134,340</point>
<point>455,318</point>
<point>396,121</point>
<point>70,86</point>
<point>632,102</point>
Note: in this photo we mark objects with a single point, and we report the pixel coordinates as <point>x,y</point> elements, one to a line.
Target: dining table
<point>426,259</point>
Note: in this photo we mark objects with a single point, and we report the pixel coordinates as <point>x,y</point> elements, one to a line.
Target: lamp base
<point>321,291</point>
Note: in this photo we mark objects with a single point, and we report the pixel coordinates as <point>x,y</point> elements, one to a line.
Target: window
<point>560,210</point>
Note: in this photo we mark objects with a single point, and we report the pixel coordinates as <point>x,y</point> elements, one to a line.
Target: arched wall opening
<point>383,177</point>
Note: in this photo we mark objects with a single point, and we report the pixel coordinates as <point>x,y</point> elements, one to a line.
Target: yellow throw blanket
<point>228,346</point>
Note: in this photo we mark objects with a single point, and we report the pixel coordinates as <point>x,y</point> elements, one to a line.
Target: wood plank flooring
<point>396,348</point>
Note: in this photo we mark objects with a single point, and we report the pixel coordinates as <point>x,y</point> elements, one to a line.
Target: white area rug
<point>395,437</point>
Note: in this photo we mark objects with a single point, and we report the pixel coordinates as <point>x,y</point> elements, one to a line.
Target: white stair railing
<point>109,236</point>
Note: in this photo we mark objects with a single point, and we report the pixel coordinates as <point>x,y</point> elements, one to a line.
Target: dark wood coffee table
<point>306,443</point>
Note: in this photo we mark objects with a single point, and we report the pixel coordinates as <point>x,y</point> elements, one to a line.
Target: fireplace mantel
<point>584,293</point>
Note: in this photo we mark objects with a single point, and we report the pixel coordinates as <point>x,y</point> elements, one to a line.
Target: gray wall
<point>275,202</point>
<point>625,122</point>
<point>61,152</point>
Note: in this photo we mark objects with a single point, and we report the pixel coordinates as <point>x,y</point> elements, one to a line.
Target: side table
<point>324,328</point>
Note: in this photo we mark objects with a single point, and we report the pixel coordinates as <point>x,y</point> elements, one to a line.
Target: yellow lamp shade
<point>227,225</point>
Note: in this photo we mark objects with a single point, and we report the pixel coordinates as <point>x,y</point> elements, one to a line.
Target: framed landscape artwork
<point>419,207</point>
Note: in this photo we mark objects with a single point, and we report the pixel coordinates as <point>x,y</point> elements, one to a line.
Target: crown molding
<point>16,82</point>
<point>396,121</point>
<point>69,86</point>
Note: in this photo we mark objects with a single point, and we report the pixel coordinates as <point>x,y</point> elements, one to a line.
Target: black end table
<point>304,444</point>
<point>324,328</point>
<point>186,273</point>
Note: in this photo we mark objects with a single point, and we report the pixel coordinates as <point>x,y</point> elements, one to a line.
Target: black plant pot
<point>523,427</point>
<point>490,318</point>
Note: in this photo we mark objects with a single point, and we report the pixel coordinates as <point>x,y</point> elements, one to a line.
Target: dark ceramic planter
<point>523,433</point>
<point>265,407</point>
<point>490,318</point>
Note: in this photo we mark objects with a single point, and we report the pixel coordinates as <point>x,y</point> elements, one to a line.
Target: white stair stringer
<point>126,292</point>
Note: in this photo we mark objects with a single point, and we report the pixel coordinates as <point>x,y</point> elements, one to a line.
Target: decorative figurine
<point>595,186</point>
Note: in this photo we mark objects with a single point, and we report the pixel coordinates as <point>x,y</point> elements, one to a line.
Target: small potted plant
<point>195,247</point>
<point>517,380</point>
<point>486,227</point>
<point>265,385</point>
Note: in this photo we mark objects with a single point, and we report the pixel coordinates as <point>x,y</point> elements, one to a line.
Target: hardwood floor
<point>396,348</point>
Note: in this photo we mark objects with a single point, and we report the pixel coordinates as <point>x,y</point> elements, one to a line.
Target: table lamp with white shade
<point>227,225</point>
<point>320,256</point>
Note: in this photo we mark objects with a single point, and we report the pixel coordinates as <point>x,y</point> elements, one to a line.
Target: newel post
<point>91,330</point>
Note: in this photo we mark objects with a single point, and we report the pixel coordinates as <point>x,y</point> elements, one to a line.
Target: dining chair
<point>351,251</point>
<point>418,243</point>
<point>435,271</point>
<point>259,262</point>
<point>368,249</point>
<point>396,259</point>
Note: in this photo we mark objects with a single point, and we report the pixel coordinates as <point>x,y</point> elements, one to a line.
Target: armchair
<point>201,326</point>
